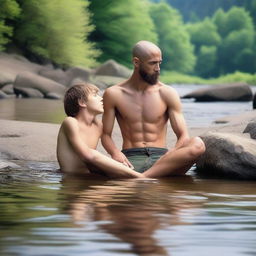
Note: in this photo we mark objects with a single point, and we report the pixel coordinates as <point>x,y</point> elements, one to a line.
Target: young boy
<point>81,130</point>
<point>79,135</point>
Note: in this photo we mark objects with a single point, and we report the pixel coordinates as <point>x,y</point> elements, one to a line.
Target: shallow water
<point>89,216</point>
<point>42,213</point>
<point>199,114</point>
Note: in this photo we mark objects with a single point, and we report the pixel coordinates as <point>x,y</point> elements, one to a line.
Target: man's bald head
<point>144,49</point>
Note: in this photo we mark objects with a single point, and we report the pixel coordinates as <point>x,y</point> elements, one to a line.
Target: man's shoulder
<point>117,87</point>
<point>166,89</point>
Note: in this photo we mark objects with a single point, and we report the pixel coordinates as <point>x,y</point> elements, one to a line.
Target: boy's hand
<point>120,157</point>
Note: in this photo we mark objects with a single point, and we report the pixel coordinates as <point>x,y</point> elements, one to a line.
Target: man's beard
<point>150,79</point>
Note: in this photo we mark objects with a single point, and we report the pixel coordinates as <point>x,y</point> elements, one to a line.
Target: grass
<point>171,77</point>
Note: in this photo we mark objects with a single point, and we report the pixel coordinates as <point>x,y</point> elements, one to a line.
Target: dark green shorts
<point>143,158</point>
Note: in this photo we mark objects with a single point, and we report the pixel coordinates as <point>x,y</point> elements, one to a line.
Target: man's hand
<point>120,157</point>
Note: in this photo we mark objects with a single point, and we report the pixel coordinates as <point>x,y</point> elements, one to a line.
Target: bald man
<point>142,106</point>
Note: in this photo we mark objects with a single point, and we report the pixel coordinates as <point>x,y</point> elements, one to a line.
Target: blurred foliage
<point>219,39</point>
<point>205,37</point>
<point>171,77</point>
<point>9,9</point>
<point>56,30</point>
<point>238,41</point>
<point>119,24</point>
<point>173,38</point>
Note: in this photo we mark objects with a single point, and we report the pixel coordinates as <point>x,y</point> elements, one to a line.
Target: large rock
<point>28,92</point>
<point>57,75</point>
<point>228,155</point>
<point>112,68</point>
<point>103,82</point>
<point>228,92</point>
<point>251,129</point>
<point>3,95</point>
<point>8,89</point>
<point>12,64</point>
<point>78,73</point>
<point>42,84</point>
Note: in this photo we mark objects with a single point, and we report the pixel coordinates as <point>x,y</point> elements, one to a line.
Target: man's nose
<point>157,67</point>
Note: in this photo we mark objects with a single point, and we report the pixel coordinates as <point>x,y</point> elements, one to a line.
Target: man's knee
<point>197,147</point>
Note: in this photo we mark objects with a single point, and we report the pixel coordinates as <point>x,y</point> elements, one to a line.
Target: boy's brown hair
<point>74,94</point>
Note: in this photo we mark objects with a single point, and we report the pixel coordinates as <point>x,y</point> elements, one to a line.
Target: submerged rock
<point>228,155</point>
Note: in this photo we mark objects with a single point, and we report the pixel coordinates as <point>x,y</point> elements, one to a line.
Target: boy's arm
<point>108,124</point>
<point>109,166</point>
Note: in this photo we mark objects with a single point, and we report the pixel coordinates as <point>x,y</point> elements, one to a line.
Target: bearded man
<point>142,106</point>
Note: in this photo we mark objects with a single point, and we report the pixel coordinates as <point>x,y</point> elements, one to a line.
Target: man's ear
<point>135,61</point>
<point>82,103</point>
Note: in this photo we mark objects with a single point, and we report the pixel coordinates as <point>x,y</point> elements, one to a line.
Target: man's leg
<point>177,162</point>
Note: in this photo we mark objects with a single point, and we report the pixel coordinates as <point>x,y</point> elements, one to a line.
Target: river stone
<point>112,68</point>
<point>228,155</point>
<point>103,82</point>
<point>82,74</point>
<point>6,78</point>
<point>57,75</point>
<point>8,89</point>
<point>3,95</point>
<point>251,129</point>
<point>226,92</point>
<point>254,101</point>
<point>34,81</point>
<point>28,93</point>
<point>7,164</point>
<point>54,96</point>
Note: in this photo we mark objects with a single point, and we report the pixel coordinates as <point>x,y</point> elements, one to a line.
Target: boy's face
<point>95,103</point>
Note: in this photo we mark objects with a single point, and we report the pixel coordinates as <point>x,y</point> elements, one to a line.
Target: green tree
<point>238,40</point>
<point>119,25</point>
<point>9,9</point>
<point>206,61</point>
<point>205,37</point>
<point>57,30</point>
<point>203,33</point>
<point>173,38</point>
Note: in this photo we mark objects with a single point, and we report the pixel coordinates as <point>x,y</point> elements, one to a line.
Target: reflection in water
<point>91,216</point>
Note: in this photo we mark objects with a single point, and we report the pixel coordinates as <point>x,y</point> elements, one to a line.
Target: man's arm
<point>176,117</point>
<point>109,166</point>
<point>108,124</point>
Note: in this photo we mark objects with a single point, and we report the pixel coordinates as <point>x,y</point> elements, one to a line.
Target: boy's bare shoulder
<point>69,122</point>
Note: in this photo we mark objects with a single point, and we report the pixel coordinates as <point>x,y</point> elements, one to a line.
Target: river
<point>43,214</point>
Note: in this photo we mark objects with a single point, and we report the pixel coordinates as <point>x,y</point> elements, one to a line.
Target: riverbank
<point>22,141</point>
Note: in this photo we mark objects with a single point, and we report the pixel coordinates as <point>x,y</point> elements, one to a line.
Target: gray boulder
<point>251,129</point>
<point>34,81</point>
<point>8,89</point>
<point>112,68</point>
<point>103,82</point>
<point>6,78</point>
<point>3,95</point>
<point>228,155</point>
<point>81,74</point>
<point>57,75</point>
<point>226,92</point>
<point>53,96</point>
<point>28,92</point>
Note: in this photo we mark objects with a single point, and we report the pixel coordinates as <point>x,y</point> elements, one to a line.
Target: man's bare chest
<point>148,109</point>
